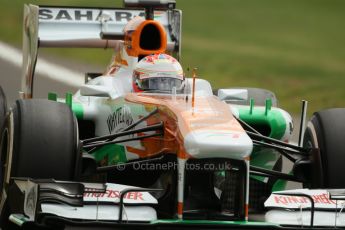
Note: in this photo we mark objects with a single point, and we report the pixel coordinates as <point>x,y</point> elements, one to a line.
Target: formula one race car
<point>144,146</point>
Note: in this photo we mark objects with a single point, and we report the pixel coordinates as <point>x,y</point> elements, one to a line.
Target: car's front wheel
<point>39,140</point>
<point>326,132</point>
<point>44,139</point>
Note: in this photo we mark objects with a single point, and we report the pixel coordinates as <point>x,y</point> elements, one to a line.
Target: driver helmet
<point>158,73</point>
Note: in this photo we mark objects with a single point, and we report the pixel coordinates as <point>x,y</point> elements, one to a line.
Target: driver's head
<point>158,72</point>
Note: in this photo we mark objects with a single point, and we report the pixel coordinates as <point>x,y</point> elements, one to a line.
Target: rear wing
<point>52,26</point>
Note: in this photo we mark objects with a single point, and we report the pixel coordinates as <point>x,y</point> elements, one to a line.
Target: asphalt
<point>10,81</point>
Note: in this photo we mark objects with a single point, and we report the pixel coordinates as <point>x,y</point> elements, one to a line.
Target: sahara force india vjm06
<point>145,146</point>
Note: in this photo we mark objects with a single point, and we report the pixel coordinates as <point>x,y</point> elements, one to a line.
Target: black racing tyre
<point>45,140</point>
<point>326,132</point>
<point>3,108</point>
<point>259,95</point>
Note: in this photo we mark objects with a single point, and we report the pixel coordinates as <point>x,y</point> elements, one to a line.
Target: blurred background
<point>295,48</point>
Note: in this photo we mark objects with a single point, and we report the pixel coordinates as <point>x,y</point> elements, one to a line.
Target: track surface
<point>52,75</point>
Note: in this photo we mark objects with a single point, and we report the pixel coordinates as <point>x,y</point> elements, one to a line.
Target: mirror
<point>95,90</point>
<point>233,94</point>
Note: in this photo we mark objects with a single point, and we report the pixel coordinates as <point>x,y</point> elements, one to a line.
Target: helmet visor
<point>159,84</point>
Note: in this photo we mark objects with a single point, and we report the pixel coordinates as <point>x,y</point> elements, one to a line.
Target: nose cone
<point>223,144</point>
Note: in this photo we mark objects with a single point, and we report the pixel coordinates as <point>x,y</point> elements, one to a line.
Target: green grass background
<point>295,48</point>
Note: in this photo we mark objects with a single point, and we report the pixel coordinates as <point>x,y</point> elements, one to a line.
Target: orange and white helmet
<point>158,73</point>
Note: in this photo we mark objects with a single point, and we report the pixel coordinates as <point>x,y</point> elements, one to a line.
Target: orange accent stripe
<point>247,158</point>
<point>183,154</point>
<point>179,208</point>
<point>139,152</point>
<point>193,92</point>
<point>124,62</point>
<point>246,211</point>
